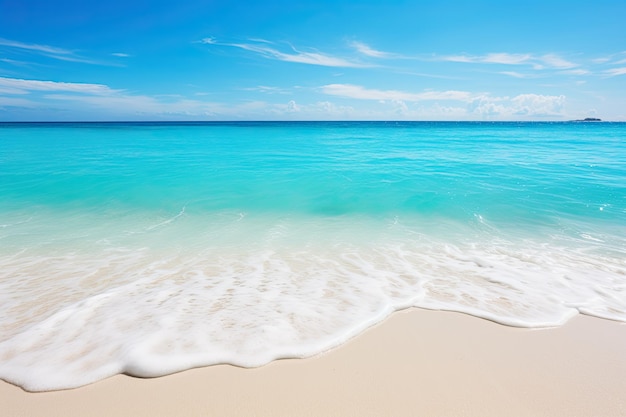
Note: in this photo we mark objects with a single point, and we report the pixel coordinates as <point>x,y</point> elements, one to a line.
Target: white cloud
<point>538,62</point>
<point>292,107</point>
<point>616,58</point>
<point>537,104</point>
<point>268,90</point>
<point>312,58</point>
<point>361,93</point>
<point>120,54</point>
<point>516,74</point>
<point>83,100</point>
<point>438,112</point>
<point>504,58</point>
<point>445,95</point>
<point>554,61</point>
<point>296,56</point>
<point>493,58</point>
<point>53,52</point>
<point>35,47</point>
<point>459,105</point>
<point>329,108</point>
<point>400,107</point>
<point>578,71</point>
<point>367,50</point>
<point>84,97</point>
<point>106,103</point>
<point>20,86</point>
<point>16,62</point>
<point>7,89</point>
<point>261,40</point>
<point>17,102</point>
<point>520,106</point>
<point>615,71</point>
<point>130,104</point>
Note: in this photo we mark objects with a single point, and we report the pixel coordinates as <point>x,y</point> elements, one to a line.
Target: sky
<point>125,60</point>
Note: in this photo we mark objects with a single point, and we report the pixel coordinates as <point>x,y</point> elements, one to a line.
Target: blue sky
<point>319,60</point>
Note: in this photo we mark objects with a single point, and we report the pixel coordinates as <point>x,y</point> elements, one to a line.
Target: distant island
<point>588,119</point>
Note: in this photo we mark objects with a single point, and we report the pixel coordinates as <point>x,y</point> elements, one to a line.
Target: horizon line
<point>307,121</point>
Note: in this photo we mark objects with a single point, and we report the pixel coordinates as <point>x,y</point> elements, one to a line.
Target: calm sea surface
<point>150,248</point>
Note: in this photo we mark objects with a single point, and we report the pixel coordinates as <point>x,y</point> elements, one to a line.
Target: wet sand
<point>417,362</point>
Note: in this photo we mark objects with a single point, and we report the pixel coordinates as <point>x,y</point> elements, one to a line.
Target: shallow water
<point>153,248</point>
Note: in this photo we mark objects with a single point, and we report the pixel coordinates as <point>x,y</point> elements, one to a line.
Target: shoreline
<point>416,362</point>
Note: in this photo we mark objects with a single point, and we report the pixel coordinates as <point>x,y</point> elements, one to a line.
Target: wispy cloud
<point>15,62</point>
<point>268,90</point>
<point>601,60</point>
<point>615,71</point>
<point>369,51</point>
<point>17,102</point>
<point>53,52</point>
<point>577,71</point>
<point>516,74</point>
<point>20,86</point>
<point>555,61</point>
<point>263,48</point>
<point>4,89</point>
<point>520,106</point>
<point>454,104</point>
<point>361,93</point>
<point>35,47</point>
<point>503,58</point>
<point>209,40</point>
<point>94,98</point>
<point>611,65</point>
<point>535,74</point>
<point>89,101</point>
<point>616,58</point>
<point>494,58</point>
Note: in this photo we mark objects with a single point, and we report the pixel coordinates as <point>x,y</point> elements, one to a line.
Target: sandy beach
<point>417,362</point>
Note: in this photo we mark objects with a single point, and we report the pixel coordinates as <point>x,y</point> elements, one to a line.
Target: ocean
<point>151,248</point>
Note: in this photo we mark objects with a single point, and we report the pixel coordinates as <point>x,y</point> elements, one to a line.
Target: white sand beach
<point>417,362</point>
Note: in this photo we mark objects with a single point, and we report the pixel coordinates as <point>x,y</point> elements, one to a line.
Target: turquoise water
<point>150,248</point>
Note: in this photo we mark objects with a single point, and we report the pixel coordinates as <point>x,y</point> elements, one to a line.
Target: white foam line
<point>15,224</point>
<point>589,237</point>
<point>168,221</point>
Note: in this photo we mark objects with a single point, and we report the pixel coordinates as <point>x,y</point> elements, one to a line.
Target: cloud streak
<point>98,101</point>
<point>53,52</point>
<point>522,105</point>
<point>21,86</point>
<point>268,90</point>
<point>35,47</point>
<point>538,62</point>
<point>368,51</point>
<point>613,72</point>
<point>88,98</point>
<point>463,104</point>
<point>516,74</point>
<point>294,55</point>
<point>361,93</point>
